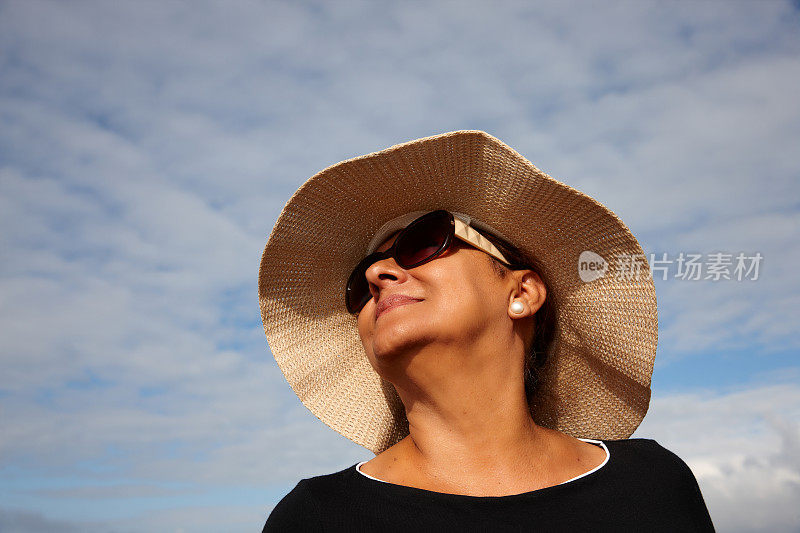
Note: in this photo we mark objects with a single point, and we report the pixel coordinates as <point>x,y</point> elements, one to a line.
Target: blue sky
<point>147,149</point>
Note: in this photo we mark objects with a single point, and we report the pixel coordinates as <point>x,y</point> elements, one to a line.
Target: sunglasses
<point>421,241</point>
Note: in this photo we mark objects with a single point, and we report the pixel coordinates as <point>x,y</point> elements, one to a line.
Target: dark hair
<point>544,319</point>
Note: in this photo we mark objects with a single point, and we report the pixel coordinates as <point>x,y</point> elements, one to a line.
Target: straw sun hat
<point>596,382</point>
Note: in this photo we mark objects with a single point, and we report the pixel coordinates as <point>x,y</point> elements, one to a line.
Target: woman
<point>455,310</point>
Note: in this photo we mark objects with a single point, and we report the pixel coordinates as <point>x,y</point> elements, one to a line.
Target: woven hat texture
<point>596,383</point>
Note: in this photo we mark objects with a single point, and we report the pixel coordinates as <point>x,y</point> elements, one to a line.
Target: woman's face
<point>454,301</point>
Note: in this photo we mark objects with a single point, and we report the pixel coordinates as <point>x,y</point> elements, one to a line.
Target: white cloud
<point>742,446</point>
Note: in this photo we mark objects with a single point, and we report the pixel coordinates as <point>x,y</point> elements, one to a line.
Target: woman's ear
<point>528,294</point>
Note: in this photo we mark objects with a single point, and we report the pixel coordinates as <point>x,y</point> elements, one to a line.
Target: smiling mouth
<point>395,305</point>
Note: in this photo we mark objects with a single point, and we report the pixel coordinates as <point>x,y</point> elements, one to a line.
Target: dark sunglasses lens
<point>357,293</point>
<point>417,243</point>
<point>422,239</point>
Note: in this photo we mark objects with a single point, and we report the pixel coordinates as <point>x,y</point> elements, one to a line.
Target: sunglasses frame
<point>455,228</point>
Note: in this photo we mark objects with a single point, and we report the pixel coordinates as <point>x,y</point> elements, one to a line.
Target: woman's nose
<point>383,273</point>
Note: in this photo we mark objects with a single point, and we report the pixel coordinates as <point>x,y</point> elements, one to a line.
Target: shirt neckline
<point>602,444</point>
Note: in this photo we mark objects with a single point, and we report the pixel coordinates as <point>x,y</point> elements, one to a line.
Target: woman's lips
<point>390,302</point>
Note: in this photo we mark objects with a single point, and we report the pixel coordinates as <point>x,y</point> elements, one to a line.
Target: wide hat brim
<point>596,383</point>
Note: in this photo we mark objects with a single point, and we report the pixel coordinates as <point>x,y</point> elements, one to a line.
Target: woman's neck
<point>472,435</point>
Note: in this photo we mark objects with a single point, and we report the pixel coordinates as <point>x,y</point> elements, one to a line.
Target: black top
<point>642,487</point>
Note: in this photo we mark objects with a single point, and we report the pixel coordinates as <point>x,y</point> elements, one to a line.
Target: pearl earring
<point>517,307</point>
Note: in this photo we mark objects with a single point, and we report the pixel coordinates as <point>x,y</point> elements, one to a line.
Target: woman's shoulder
<point>647,466</point>
<point>300,509</point>
<point>661,480</point>
<point>647,453</point>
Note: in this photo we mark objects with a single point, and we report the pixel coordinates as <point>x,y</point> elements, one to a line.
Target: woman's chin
<point>391,342</point>
<point>390,346</point>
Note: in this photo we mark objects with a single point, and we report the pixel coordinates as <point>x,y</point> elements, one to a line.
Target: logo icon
<point>591,266</point>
